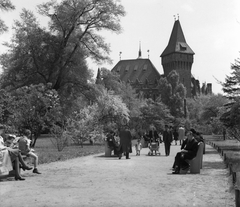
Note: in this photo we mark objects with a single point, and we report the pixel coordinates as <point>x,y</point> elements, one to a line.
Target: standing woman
<point>15,156</point>
<point>125,140</point>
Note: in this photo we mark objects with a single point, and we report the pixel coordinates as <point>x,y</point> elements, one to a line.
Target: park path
<point>142,181</point>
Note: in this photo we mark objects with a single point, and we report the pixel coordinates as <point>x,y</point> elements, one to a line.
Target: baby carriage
<point>154,148</point>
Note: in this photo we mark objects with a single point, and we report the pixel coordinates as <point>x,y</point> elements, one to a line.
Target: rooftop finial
<point>174,17</point>
<point>120,53</point>
<point>148,53</point>
<point>178,16</point>
<point>139,52</point>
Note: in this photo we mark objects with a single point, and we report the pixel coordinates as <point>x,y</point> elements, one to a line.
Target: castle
<point>178,56</point>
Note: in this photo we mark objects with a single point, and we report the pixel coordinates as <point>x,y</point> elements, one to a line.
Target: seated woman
<point>112,143</point>
<point>15,156</point>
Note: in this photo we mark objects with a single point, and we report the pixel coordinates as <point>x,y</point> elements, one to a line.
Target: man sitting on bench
<point>188,152</point>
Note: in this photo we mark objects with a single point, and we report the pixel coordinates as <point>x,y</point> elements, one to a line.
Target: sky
<point>211,28</point>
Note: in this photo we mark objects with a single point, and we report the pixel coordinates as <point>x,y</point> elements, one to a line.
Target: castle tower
<point>178,56</point>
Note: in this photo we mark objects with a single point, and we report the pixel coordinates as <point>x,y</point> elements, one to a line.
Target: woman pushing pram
<point>154,143</point>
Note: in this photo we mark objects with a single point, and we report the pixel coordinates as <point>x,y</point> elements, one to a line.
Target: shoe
<point>119,158</point>
<point>185,167</point>
<point>26,168</point>
<point>175,172</point>
<point>19,178</point>
<point>35,170</point>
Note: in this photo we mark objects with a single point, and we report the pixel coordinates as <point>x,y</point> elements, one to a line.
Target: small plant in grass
<point>60,137</point>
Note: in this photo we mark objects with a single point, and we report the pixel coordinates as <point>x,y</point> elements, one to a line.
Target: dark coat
<point>167,137</point>
<point>125,141</point>
<point>153,135</point>
<point>191,147</point>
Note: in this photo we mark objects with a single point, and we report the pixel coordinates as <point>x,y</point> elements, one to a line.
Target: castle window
<point>145,67</point>
<point>118,68</point>
<point>183,47</point>
<point>135,68</point>
<point>127,68</point>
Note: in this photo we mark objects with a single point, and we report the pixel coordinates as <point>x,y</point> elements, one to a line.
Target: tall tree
<point>172,93</point>
<point>58,54</point>
<point>231,86</point>
<point>5,5</point>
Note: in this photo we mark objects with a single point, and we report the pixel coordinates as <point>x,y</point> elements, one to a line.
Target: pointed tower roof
<point>177,42</point>
<point>98,78</point>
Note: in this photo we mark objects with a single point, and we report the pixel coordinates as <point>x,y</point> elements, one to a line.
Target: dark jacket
<point>167,137</point>
<point>191,147</point>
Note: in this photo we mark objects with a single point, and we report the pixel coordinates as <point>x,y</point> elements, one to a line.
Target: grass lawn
<point>47,152</point>
<point>230,147</point>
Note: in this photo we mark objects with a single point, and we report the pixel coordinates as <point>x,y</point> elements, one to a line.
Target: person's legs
<point>17,170</point>
<point>166,148</point>
<point>24,166</point>
<point>127,155</point>
<point>177,163</point>
<point>35,161</point>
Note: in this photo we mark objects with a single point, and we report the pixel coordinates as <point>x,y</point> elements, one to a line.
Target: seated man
<point>188,151</point>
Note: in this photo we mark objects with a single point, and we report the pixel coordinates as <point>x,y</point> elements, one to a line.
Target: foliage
<point>231,118</point>
<point>110,81</point>
<point>60,137</point>
<point>154,113</point>
<point>57,55</point>
<point>33,107</point>
<point>5,5</point>
<point>204,112</point>
<point>231,86</point>
<point>91,122</point>
<point>173,93</point>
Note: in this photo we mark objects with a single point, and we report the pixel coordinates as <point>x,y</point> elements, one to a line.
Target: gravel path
<point>142,181</point>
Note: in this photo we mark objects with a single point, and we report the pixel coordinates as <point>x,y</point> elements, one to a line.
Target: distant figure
<point>181,134</point>
<point>125,140</point>
<point>175,135</point>
<point>224,133</point>
<point>167,139</point>
<point>138,147</point>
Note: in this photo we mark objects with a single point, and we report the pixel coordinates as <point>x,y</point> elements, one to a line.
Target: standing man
<point>167,139</point>
<point>181,134</point>
<point>125,140</point>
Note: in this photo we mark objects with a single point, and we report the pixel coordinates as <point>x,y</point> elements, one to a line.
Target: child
<point>24,146</point>
<point>138,147</point>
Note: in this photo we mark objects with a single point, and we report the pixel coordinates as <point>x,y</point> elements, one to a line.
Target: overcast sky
<point>211,29</point>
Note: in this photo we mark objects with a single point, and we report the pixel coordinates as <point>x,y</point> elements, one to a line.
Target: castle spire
<point>98,78</point>
<point>140,52</point>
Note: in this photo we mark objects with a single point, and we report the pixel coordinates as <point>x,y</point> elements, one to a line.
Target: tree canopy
<point>231,86</point>
<point>57,54</point>
<point>5,5</point>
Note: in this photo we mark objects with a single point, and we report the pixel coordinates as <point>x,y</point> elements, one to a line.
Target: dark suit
<point>181,157</point>
<point>167,139</point>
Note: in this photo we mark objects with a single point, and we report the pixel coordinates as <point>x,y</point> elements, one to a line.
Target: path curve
<point>142,181</point>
